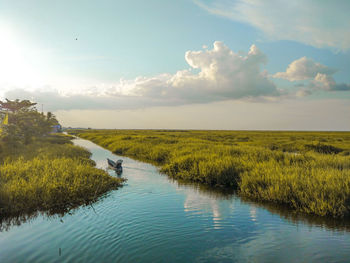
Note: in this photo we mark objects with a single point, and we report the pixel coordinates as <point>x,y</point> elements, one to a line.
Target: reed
<point>307,171</point>
<point>52,176</point>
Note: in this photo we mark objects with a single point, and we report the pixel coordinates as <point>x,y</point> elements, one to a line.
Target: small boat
<point>116,166</point>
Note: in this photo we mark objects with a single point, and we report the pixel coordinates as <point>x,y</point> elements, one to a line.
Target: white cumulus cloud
<point>216,74</point>
<point>327,82</point>
<point>302,69</point>
<point>222,74</point>
<point>319,76</point>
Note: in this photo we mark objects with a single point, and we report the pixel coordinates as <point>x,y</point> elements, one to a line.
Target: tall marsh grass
<point>308,171</point>
<point>52,176</point>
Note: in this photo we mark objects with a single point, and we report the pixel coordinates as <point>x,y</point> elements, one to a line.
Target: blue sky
<point>125,56</point>
<point>128,38</point>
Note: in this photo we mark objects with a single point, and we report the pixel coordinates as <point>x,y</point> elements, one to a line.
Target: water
<point>155,219</point>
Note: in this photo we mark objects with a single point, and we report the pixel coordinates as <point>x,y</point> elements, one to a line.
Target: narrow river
<point>155,219</point>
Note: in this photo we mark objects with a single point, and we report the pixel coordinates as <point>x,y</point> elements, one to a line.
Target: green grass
<point>52,176</point>
<point>307,171</point>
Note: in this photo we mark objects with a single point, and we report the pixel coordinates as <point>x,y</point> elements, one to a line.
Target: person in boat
<point>119,164</point>
<point>116,165</point>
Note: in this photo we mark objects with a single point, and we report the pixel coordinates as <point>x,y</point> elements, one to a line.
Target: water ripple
<point>156,219</point>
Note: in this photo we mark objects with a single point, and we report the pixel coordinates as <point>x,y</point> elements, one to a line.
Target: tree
<point>25,123</point>
<point>51,118</point>
<point>17,105</point>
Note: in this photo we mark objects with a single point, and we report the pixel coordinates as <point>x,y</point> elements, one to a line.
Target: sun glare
<point>17,63</point>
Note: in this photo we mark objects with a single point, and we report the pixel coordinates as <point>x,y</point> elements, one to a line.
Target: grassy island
<point>307,171</point>
<point>44,172</point>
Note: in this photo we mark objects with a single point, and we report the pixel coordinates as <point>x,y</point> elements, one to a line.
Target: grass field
<point>307,171</point>
<point>50,175</point>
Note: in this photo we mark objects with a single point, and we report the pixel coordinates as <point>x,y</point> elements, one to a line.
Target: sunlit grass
<point>308,171</point>
<point>50,175</point>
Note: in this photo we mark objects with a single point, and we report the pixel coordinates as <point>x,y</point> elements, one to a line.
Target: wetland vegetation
<point>306,171</point>
<point>41,171</point>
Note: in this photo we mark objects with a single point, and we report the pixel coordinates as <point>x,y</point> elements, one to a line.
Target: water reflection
<point>205,199</point>
<point>195,201</point>
<point>201,198</point>
<point>7,222</point>
<point>297,218</point>
<point>153,217</point>
<point>253,213</point>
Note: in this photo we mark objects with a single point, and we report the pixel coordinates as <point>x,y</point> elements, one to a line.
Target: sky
<point>184,64</point>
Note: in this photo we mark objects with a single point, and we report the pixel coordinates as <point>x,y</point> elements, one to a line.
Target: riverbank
<point>50,175</point>
<point>155,216</point>
<point>307,171</point>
